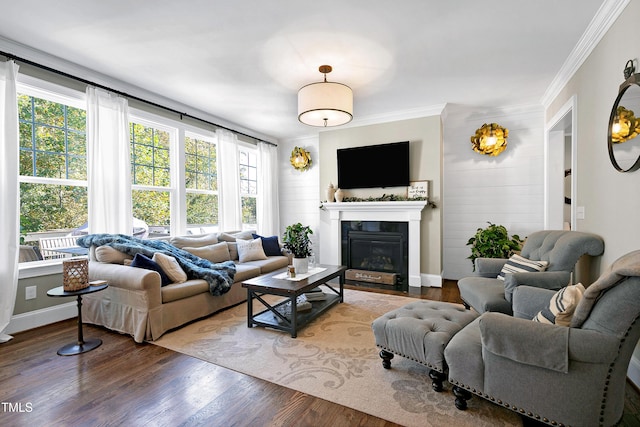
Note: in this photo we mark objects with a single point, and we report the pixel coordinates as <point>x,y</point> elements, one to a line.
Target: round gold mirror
<point>624,125</point>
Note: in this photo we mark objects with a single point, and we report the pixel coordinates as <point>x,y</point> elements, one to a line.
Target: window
<point>248,165</point>
<point>201,182</point>
<point>53,164</point>
<point>151,173</point>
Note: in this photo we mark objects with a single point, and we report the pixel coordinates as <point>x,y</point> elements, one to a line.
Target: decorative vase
<point>301,265</point>
<point>339,195</point>
<point>331,192</point>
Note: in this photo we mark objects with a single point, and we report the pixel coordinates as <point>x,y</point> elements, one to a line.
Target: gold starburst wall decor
<point>490,139</point>
<point>300,159</point>
<point>626,126</point>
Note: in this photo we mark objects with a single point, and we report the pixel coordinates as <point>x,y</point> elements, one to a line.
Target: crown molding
<point>600,24</point>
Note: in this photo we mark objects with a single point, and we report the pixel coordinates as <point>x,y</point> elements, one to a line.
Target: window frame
<point>212,139</point>
<point>251,150</point>
<point>42,89</point>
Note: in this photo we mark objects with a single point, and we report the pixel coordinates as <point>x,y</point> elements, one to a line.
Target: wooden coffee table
<point>277,283</point>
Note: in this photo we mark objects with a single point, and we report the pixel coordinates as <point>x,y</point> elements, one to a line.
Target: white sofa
<point>135,303</point>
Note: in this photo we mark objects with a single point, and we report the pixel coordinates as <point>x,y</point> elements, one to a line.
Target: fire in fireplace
<point>376,253</point>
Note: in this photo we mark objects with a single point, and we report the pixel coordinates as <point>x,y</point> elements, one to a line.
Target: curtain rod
<point>118,92</point>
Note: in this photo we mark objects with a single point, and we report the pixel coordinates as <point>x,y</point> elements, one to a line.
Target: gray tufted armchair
<point>572,376</point>
<point>561,248</point>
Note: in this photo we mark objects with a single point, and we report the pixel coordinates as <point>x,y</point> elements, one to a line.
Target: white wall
<point>610,198</point>
<point>298,191</point>
<point>506,189</point>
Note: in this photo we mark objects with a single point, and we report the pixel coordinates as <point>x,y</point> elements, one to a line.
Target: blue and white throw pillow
<point>561,306</point>
<point>519,264</point>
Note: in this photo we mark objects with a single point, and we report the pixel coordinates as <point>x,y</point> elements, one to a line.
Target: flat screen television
<point>383,165</point>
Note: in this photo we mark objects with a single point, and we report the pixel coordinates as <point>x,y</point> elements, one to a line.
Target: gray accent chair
<point>561,248</point>
<point>572,376</point>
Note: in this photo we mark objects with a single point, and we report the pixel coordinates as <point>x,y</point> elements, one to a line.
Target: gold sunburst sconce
<point>625,126</point>
<point>300,159</point>
<point>490,139</point>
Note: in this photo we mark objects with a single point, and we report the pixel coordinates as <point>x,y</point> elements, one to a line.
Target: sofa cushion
<point>250,250</point>
<point>171,267</point>
<point>110,255</point>
<point>270,264</point>
<point>142,261</point>
<point>194,241</point>
<point>226,237</point>
<point>561,306</point>
<point>270,245</point>
<point>244,235</point>
<point>233,250</point>
<point>176,291</point>
<point>215,253</point>
<point>245,272</point>
<point>519,264</point>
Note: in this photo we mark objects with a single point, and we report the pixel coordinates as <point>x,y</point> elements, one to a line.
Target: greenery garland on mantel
<point>387,198</point>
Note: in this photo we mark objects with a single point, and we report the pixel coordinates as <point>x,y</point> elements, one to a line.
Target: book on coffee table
<point>315,294</point>
<point>302,305</point>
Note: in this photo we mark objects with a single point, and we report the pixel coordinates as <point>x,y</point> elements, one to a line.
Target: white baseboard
<point>45,316</point>
<point>431,280</point>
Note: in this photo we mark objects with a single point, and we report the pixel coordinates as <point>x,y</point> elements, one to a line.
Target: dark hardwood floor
<point>124,383</point>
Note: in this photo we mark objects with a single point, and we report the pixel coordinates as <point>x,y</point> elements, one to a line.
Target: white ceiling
<point>244,60</point>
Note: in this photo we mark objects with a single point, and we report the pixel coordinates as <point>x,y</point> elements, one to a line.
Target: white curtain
<point>109,163</point>
<point>268,210</point>
<point>9,213</point>
<point>230,216</point>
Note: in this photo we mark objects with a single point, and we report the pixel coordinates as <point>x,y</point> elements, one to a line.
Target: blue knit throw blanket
<point>219,276</point>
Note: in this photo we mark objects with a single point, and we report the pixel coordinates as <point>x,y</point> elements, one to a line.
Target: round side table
<point>81,346</point>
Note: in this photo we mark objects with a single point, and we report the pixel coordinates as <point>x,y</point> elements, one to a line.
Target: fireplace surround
<point>409,212</point>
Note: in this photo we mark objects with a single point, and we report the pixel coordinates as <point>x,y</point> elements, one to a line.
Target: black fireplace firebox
<point>376,253</point>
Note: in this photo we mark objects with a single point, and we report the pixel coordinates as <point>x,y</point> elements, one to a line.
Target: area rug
<point>334,358</point>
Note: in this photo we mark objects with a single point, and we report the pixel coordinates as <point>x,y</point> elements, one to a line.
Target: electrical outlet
<point>30,292</point>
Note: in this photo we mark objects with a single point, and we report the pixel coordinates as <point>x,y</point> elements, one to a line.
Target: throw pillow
<point>250,250</point>
<point>194,241</point>
<point>561,307</point>
<point>519,264</point>
<point>215,253</point>
<point>110,255</point>
<point>270,245</point>
<point>171,267</point>
<point>142,261</point>
<point>233,250</point>
<point>226,237</point>
<point>244,235</point>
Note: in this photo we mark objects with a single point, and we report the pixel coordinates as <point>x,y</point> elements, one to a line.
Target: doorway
<point>560,169</point>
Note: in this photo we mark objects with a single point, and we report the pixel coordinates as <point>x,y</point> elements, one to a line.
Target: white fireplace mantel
<point>400,211</point>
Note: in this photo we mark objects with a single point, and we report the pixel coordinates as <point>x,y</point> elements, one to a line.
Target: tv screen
<point>384,165</point>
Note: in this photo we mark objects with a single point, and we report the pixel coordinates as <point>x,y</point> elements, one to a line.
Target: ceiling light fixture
<point>325,104</point>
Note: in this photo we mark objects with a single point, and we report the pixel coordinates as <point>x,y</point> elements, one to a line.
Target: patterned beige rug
<point>334,358</point>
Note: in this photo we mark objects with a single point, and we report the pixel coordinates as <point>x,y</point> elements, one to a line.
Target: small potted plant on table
<point>296,239</point>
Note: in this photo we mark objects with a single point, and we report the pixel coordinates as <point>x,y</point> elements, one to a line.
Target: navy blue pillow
<point>270,245</point>
<point>143,261</point>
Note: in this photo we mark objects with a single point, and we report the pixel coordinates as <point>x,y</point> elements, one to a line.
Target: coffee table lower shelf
<point>267,317</point>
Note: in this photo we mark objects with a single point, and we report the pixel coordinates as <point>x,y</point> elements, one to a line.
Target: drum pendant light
<point>325,104</point>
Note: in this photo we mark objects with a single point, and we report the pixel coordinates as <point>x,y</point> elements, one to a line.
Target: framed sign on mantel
<point>418,189</point>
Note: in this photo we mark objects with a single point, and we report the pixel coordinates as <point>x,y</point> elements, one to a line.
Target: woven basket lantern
<point>75,274</point>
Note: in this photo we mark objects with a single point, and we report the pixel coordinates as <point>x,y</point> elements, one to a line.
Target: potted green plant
<point>296,239</point>
<point>493,242</point>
